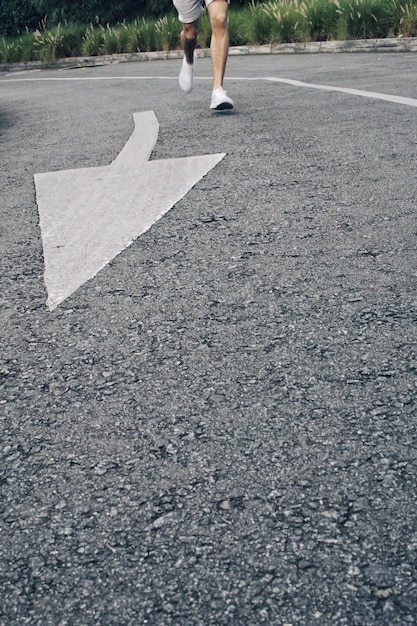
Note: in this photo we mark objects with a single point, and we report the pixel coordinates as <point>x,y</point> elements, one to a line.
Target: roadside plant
<point>114,40</point>
<point>140,36</point>
<point>72,36</point>
<point>9,51</point>
<point>167,33</point>
<point>17,50</point>
<point>48,44</point>
<point>363,19</point>
<point>406,13</point>
<point>287,23</point>
<point>321,19</point>
<point>257,25</point>
<point>92,41</point>
<point>236,32</point>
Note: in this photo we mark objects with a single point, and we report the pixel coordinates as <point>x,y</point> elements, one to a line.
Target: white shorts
<point>190,10</point>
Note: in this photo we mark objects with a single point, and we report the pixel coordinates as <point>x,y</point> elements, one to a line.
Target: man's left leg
<point>217,10</point>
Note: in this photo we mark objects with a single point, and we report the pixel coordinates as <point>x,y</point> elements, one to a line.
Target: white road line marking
<point>74,78</point>
<point>412,102</point>
<point>88,216</point>
<point>289,81</point>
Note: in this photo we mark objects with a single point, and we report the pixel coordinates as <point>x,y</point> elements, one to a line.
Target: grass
<point>167,33</point>
<point>364,19</point>
<point>404,15</point>
<point>321,19</point>
<point>268,22</point>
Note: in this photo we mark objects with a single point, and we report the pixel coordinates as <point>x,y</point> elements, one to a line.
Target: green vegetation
<point>267,22</point>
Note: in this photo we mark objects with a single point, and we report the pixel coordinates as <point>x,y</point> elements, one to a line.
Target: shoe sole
<point>223,106</point>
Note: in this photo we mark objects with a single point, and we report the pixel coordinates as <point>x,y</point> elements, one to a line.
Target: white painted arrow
<point>88,216</point>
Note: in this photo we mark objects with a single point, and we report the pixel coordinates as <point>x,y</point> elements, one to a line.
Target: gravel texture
<point>220,427</point>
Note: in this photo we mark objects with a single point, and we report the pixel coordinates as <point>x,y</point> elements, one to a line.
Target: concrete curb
<point>408,44</point>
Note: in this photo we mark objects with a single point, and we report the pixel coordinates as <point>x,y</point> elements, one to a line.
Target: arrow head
<point>88,216</point>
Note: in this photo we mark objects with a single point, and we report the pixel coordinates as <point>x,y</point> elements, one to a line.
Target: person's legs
<point>189,12</point>
<point>219,48</point>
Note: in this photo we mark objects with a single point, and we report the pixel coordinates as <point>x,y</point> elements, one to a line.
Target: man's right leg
<point>189,12</point>
<point>189,43</point>
<point>189,40</point>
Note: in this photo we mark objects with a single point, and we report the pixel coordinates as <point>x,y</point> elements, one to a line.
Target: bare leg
<point>219,40</point>
<point>189,40</point>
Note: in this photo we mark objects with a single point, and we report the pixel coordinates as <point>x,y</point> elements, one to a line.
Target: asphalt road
<point>220,427</point>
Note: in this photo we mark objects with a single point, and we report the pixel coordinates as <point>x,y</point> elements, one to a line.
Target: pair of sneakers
<point>220,101</point>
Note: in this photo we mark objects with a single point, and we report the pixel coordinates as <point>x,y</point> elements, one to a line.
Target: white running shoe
<point>220,101</point>
<point>186,76</point>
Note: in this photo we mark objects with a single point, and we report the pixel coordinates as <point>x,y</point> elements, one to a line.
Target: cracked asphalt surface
<point>220,427</point>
